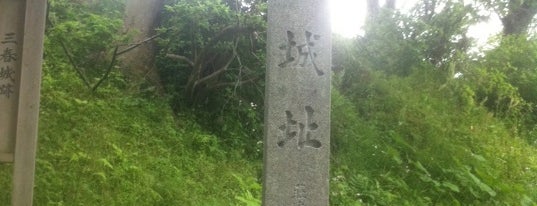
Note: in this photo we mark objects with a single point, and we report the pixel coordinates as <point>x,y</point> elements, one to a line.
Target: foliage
<point>441,30</point>
<point>208,46</point>
<point>91,48</point>
<point>435,33</point>
<point>119,149</point>
<point>211,58</point>
<point>416,145</point>
<point>417,121</point>
<point>116,147</point>
<point>516,15</point>
<point>386,48</point>
<point>503,80</point>
<point>515,60</point>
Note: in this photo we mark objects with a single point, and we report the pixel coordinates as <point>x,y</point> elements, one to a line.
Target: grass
<point>114,148</point>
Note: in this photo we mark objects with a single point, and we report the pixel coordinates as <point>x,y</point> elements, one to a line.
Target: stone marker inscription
<point>11,26</point>
<point>297,103</point>
<point>22,26</point>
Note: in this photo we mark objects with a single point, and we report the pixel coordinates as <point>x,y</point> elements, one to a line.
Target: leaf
<point>420,167</point>
<point>479,157</point>
<point>484,187</point>
<point>79,101</point>
<point>451,186</point>
<point>102,175</point>
<point>248,199</point>
<point>106,163</point>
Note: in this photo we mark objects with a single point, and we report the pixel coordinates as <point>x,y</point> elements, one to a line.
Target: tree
<point>442,28</point>
<point>92,46</point>
<point>519,16</point>
<point>141,20</point>
<point>374,9</point>
<point>516,15</point>
<point>211,46</point>
<point>434,33</point>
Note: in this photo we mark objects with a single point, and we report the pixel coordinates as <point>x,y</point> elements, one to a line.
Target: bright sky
<point>348,17</point>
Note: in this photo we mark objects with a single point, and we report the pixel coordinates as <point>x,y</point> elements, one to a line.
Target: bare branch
<point>133,46</point>
<point>182,58</point>
<point>108,70</point>
<point>73,63</point>
<point>216,73</point>
<point>240,82</point>
<point>223,68</point>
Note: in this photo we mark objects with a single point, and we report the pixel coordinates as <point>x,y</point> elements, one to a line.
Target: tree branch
<point>182,58</point>
<point>216,73</point>
<point>108,70</point>
<point>134,46</point>
<point>241,82</point>
<point>223,68</point>
<point>73,63</point>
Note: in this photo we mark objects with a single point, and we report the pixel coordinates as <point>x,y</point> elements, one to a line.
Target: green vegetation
<point>116,147</point>
<point>417,119</point>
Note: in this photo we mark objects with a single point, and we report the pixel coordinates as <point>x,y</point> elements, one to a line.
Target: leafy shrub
<point>94,36</point>
<point>416,145</point>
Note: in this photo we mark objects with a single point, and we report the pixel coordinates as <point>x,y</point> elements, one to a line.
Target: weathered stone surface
<point>22,28</point>
<point>11,27</point>
<point>297,116</point>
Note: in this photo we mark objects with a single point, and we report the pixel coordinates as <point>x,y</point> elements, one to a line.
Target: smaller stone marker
<point>22,26</point>
<point>11,27</point>
<point>297,103</point>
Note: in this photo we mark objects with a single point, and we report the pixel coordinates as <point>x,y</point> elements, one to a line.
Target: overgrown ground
<point>114,148</point>
<point>411,147</point>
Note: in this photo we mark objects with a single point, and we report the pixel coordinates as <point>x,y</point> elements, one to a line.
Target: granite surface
<point>297,103</point>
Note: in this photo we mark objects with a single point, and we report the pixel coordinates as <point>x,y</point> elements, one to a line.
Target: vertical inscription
<point>8,60</point>
<point>300,55</point>
<point>300,195</point>
<point>11,30</point>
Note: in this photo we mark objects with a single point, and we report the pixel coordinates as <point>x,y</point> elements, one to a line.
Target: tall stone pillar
<point>297,103</point>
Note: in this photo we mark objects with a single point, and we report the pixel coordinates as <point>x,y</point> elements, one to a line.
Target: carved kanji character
<point>302,130</point>
<point>7,73</point>
<point>300,54</point>
<point>9,38</point>
<point>8,55</point>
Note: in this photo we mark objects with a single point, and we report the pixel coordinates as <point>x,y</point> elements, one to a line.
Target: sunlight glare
<point>347,17</point>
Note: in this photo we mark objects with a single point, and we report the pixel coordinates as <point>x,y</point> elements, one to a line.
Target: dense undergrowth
<point>408,143</point>
<point>114,148</point>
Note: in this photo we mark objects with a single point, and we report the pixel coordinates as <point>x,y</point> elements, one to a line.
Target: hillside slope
<point>113,148</point>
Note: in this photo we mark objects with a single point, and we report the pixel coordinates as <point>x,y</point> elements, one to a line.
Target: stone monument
<point>297,103</point>
<point>22,25</point>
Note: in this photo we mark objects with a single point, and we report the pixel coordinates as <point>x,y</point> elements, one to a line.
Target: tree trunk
<point>390,4</point>
<point>141,18</point>
<point>373,9</point>
<point>519,17</point>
